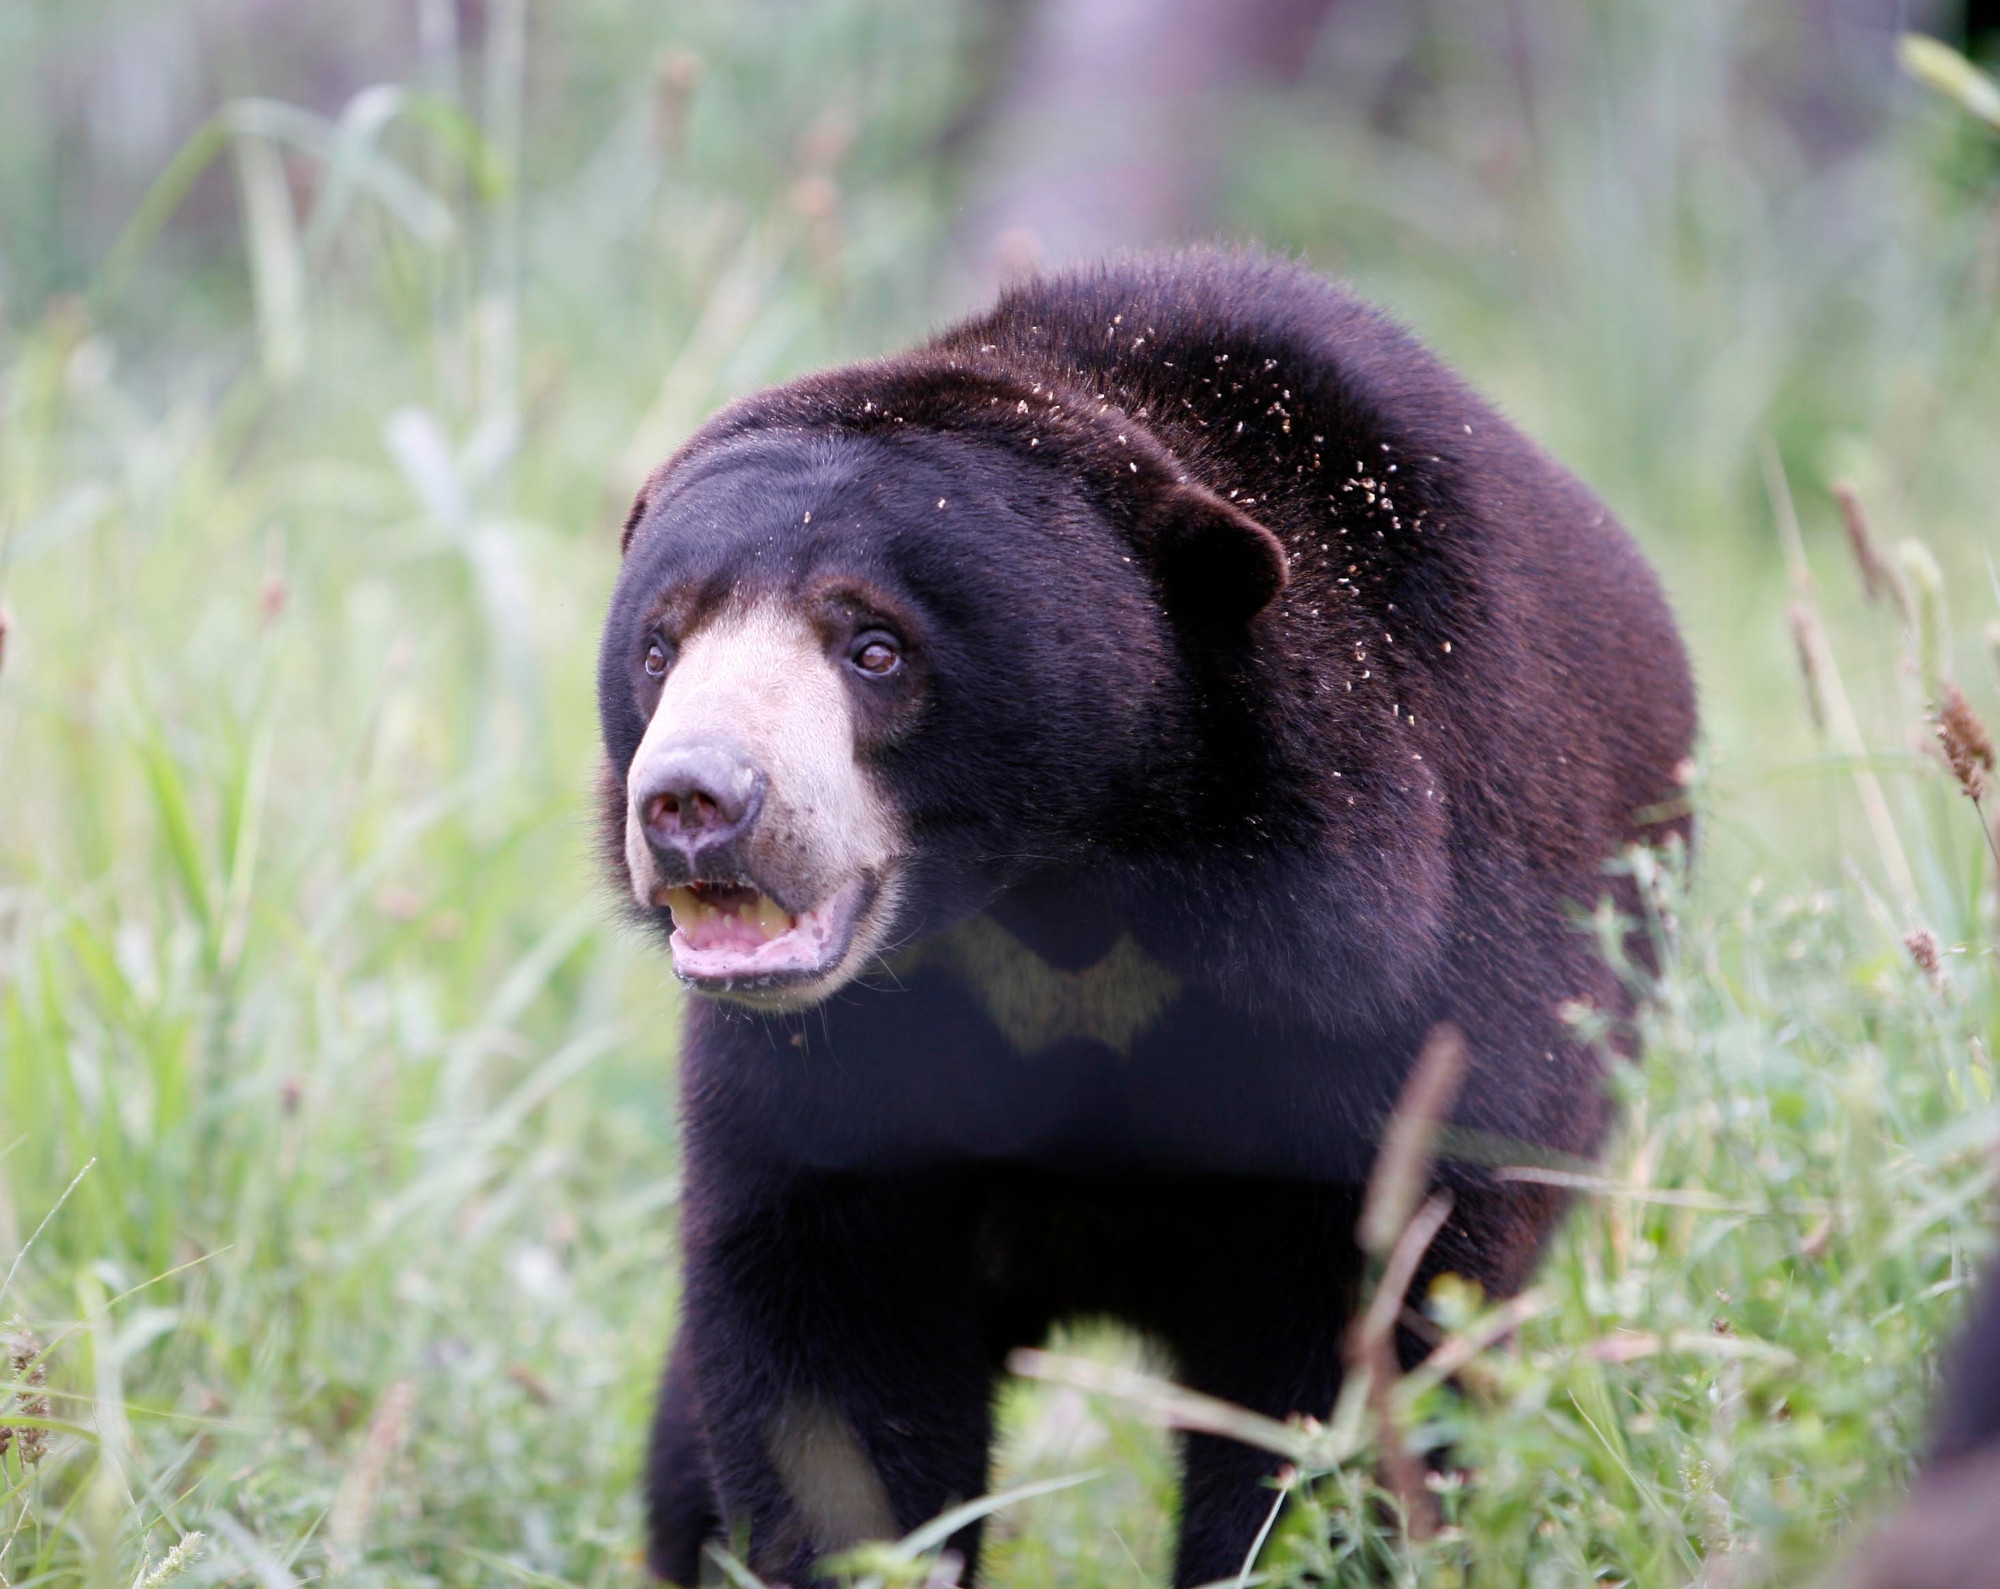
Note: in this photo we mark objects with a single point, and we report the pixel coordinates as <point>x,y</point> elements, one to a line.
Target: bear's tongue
<point>733,933</point>
<point>726,916</point>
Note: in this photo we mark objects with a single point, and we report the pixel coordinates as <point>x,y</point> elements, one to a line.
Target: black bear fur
<point>1259,652</point>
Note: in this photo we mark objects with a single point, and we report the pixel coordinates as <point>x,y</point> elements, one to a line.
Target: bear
<point>1948,1531</point>
<point>1075,763</point>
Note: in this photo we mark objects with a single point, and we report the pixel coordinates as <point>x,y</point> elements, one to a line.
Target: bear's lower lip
<point>732,938</point>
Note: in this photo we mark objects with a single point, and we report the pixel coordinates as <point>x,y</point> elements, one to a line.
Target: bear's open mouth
<point>732,937</point>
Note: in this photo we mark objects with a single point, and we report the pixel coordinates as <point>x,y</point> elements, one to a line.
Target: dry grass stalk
<point>1162,1402</point>
<point>1929,620</point>
<point>1635,1345</point>
<point>1802,637</point>
<point>1371,1350</point>
<point>1396,1232</point>
<point>1402,1169</point>
<point>1878,580</point>
<point>1456,1353</point>
<point>1843,727</point>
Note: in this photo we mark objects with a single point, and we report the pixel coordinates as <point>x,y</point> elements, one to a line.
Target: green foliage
<point>337,1142</point>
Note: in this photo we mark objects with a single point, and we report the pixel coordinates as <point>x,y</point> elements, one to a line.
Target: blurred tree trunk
<point>1112,121</point>
<point>1107,131</point>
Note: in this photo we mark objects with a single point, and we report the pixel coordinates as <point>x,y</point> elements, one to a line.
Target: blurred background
<point>336,1120</point>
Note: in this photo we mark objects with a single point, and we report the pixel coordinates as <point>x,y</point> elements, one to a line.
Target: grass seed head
<point>31,1374</point>
<point>1878,579</point>
<point>1968,749</point>
<point>1923,946</point>
<point>174,1563</point>
<point>353,1511</point>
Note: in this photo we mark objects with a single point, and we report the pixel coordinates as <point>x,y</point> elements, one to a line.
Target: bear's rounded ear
<point>639,506</point>
<point>1218,565</point>
<point>652,490</point>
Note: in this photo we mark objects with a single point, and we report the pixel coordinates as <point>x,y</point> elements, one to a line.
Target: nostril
<point>697,796</point>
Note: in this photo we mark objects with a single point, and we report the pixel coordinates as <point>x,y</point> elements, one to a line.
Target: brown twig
<point>1371,1350</point>
<point>1396,1232</point>
<point>1402,1167</point>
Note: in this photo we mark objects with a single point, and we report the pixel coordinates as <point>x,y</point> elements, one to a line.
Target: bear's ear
<point>1218,566</point>
<point>649,493</point>
<point>639,506</point>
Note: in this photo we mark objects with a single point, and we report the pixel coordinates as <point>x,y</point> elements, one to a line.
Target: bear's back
<point>1442,565</point>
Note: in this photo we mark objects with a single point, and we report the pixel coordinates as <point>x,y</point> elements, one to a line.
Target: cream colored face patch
<point>758,684</point>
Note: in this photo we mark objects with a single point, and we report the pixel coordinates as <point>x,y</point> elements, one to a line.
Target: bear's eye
<point>656,658</point>
<point>876,654</point>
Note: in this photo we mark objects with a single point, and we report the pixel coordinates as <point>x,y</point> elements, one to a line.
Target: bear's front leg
<point>832,1325</point>
<point>680,1495</point>
<point>1254,1305</point>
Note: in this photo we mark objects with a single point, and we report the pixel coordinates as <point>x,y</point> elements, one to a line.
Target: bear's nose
<point>694,801</point>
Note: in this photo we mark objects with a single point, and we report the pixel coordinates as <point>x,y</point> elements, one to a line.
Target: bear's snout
<point>750,819</point>
<point>697,805</point>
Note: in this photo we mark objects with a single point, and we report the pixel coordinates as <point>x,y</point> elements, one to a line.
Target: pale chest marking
<point>1035,1005</point>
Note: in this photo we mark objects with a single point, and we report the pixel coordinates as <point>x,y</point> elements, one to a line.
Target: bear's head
<point>873,660</point>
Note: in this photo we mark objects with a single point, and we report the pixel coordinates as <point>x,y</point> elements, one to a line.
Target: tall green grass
<point>339,1143</point>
